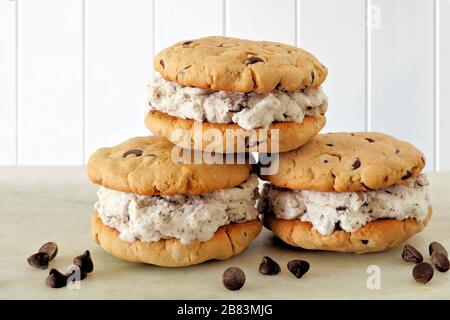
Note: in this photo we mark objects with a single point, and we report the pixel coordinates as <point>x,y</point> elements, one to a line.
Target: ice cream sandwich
<point>349,192</point>
<point>230,95</point>
<point>155,210</point>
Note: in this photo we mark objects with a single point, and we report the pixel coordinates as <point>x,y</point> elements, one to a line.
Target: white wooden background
<point>73,72</point>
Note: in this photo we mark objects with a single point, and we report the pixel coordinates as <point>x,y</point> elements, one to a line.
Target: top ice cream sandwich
<point>233,89</point>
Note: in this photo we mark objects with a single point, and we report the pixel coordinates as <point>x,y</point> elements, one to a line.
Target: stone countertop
<point>40,204</point>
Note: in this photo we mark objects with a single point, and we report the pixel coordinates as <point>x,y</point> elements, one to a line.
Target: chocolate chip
<point>161,62</point>
<point>387,191</point>
<point>325,161</point>
<point>337,226</point>
<point>312,76</point>
<point>136,152</point>
<point>269,267</point>
<point>84,261</point>
<point>440,262</point>
<point>397,151</point>
<point>298,267</point>
<point>56,279</point>
<point>76,271</point>
<point>437,247</point>
<point>185,44</point>
<point>356,164</point>
<point>370,140</point>
<point>329,145</point>
<point>39,260</point>
<point>342,208</point>
<point>365,204</point>
<point>423,272</point>
<point>253,60</point>
<point>233,278</point>
<point>407,175</point>
<point>50,248</point>
<point>411,254</point>
<point>365,242</point>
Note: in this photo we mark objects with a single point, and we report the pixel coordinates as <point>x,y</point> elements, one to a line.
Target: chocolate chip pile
<point>423,271</point>
<point>234,278</point>
<point>81,265</point>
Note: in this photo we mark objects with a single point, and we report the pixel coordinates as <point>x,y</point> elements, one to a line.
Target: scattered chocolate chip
<point>135,152</point>
<point>77,271</point>
<point>341,208</point>
<point>253,60</point>
<point>298,267</point>
<point>312,76</point>
<point>387,191</point>
<point>356,164</point>
<point>233,278</point>
<point>39,260</point>
<point>440,262</point>
<point>161,62</point>
<point>56,279</point>
<point>437,247</point>
<point>423,272</point>
<point>365,204</point>
<point>269,267</point>
<point>50,248</point>
<point>365,242</point>
<point>370,140</point>
<point>84,261</point>
<point>352,134</point>
<point>407,175</point>
<point>329,145</point>
<point>337,226</point>
<point>411,254</point>
<point>397,151</point>
<point>325,161</point>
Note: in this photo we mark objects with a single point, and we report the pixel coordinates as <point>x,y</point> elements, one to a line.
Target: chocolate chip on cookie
<point>134,152</point>
<point>356,164</point>
<point>253,60</point>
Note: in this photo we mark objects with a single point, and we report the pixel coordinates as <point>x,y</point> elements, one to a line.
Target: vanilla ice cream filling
<point>248,110</point>
<point>185,217</point>
<point>349,211</point>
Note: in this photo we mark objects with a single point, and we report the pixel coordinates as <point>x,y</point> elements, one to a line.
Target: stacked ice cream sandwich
<point>216,100</point>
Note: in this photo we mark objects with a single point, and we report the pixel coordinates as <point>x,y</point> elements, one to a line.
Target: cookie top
<point>230,64</point>
<point>348,162</point>
<point>144,165</point>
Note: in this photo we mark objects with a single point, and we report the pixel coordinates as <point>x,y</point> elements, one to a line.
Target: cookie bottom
<point>228,241</point>
<point>378,235</point>
<point>291,135</point>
